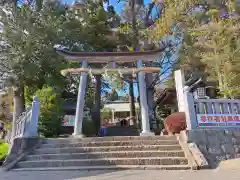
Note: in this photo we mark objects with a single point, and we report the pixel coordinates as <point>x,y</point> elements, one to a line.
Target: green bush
<point>89,128</point>
<point>51,113</point>
<point>3,151</point>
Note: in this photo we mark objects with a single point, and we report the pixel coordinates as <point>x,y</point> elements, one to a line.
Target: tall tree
<point>136,18</point>
<point>220,42</point>
<point>130,27</point>
<point>206,29</point>
<point>97,24</point>
<point>29,35</point>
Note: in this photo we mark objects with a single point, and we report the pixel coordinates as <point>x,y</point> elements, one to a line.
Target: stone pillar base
<point>78,135</point>
<point>147,134</point>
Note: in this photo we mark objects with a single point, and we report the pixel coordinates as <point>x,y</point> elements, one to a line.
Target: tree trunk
<point>150,101</point>
<point>18,106</point>
<point>3,134</point>
<point>96,115</point>
<point>135,44</point>
<point>221,84</point>
<point>132,104</point>
<point>139,104</point>
<point>134,26</point>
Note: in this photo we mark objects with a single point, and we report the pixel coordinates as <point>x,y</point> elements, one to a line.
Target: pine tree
<point>210,38</point>
<point>221,48</point>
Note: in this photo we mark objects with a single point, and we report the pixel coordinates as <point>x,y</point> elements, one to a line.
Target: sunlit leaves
<point>174,12</point>
<point>210,36</point>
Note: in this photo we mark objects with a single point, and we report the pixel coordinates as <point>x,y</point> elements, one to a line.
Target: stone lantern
<point>205,90</point>
<point>200,91</point>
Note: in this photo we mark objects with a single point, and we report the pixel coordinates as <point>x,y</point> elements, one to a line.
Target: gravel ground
<point>123,175</point>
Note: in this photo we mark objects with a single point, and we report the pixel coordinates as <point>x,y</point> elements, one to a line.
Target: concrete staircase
<point>99,153</point>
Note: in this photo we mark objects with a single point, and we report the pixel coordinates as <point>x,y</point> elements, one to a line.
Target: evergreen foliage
<point>51,112</point>
<point>210,42</point>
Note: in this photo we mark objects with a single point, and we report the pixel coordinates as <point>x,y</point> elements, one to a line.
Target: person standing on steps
<point>2,131</point>
<point>103,128</point>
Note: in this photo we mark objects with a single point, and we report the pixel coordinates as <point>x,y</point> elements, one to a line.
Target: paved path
<point>123,175</point>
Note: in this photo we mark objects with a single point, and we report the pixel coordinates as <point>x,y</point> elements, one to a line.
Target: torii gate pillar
<point>143,103</point>
<point>80,102</point>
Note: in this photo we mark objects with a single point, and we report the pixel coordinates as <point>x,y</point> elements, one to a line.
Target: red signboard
<point>211,120</point>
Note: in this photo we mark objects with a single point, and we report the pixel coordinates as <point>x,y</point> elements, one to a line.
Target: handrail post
<point>31,129</point>
<point>185,100</point>
<point>179,82</point>
<point>190,111</point>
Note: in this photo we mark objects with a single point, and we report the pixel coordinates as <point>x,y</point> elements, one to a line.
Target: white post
<point>143,101</point>
<point>185,100</point>
<point>113,111</point>
<point>80,102</point>
<point>33,126</point>
<point>113,64</point>
<point>113,116</point>
<point>179,82</point>
<point>14,126</point>
<point>137,115</point>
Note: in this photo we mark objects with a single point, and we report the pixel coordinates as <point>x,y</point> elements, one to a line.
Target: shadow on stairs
<point>122,131</point>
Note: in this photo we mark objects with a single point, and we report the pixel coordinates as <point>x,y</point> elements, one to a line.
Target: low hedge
<point>89,128</point>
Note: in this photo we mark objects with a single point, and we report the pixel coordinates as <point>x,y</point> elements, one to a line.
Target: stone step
<point>111,143</point>
<point>107,138</point>
<point>116,154</point>
<point>123,128</point>
<point>112,167</point>
<point>107,149</point>
<point>104,162</point>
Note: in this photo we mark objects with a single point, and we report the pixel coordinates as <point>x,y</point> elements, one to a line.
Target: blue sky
<point>118,6</point>
<point>113,2</point>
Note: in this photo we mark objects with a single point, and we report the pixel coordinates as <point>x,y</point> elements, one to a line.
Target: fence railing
<point>211,113</point>
<point>205,113</point>
<point>27,124</point>
<point>217,106</point>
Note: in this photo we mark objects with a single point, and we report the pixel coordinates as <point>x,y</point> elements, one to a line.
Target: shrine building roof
<point>166,96</point>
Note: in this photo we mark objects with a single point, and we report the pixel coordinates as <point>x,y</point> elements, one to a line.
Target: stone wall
<point>18,149</point>
<point>216,144</point>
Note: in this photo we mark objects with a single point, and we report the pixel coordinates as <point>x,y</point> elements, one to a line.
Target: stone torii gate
<point>111,57</point>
